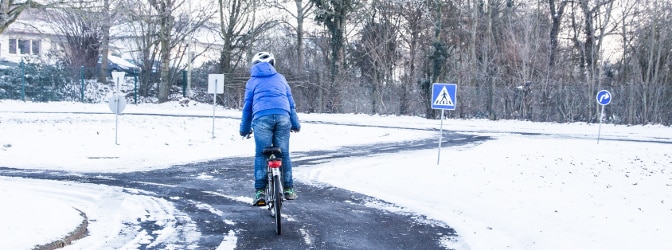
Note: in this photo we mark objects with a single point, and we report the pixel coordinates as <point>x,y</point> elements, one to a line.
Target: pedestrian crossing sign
<point>443,96</point>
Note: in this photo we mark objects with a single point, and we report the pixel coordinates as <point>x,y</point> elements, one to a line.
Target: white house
<point>33,38</point>
<point>28,39</point>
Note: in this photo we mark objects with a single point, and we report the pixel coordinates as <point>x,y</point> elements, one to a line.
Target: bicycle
<point>274,191</point>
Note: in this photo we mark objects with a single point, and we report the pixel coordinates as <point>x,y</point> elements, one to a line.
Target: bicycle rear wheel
<point>277,203</point>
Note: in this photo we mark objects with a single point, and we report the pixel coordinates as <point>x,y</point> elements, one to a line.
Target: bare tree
<point>11,9</point>
<point>414,26</point>
<point>174,28</point>
<point>534,60</point>
<point>334,15</point>
<point>650,64</point>
<point>299,13</point>
<point>107,16</point>
<point>239,29</point>
<point>164,10</point>
<point>556,11</point>
<point>377,52</point>
<point>81,30</point>
<point>241,24</point>
<point>596,24</point>
<point>143,28</point>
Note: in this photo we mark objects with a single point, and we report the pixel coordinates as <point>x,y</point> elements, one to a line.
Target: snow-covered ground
<point>558,190</point>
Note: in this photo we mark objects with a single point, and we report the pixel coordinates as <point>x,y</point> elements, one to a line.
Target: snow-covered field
<point>557,190</point>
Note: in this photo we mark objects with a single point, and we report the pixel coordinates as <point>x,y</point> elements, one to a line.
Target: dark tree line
<point>531,60</point>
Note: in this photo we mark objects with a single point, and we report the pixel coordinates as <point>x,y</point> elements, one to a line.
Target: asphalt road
<point>323,217</point>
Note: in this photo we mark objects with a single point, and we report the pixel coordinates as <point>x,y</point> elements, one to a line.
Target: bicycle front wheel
<point>277,203</point>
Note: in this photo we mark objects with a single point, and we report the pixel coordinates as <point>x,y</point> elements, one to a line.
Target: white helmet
<point>263,57</point>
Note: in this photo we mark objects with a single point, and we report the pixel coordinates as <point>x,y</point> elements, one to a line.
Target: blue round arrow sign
<point>603,97</point>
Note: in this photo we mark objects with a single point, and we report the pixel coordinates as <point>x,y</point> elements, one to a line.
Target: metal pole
<point>135,87</point>
<point>23,81</point>
<point>116,121</point>
<point>438,160</point>
<point>81,73</point>
<point>116,115</point>
<point>599,130</point>
<point>184,83</point>
<point>214,103</point>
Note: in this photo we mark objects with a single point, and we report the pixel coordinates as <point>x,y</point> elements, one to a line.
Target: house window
<point>24,47</point>
<point>12,46</point>
<point>35,47</point>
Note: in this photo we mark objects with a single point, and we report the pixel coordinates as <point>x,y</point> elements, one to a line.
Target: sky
<point>532,186</point>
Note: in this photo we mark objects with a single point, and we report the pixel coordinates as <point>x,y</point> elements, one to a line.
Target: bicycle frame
<point>274,189</point>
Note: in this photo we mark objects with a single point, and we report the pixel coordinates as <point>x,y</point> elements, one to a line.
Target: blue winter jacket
<point>267,93</point>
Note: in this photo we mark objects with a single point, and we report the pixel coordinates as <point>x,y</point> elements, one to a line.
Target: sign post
<point>443,97</point>
<point>603,98</point>
<point>215,86</point>
<point>117,102</point>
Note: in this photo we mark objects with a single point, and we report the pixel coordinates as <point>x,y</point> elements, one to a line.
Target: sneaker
<point>290,194</point>
<point>259,198</point>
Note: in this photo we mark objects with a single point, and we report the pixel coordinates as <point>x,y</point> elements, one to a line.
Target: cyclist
<point>269,111</point>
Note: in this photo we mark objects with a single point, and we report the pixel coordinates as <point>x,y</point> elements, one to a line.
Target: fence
<point>632,103</point>
<point>44,83</point>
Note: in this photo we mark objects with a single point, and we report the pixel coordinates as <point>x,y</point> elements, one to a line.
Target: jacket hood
<point>262,69</point>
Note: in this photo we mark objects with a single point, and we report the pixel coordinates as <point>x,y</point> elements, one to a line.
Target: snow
<point>531,186</point>
<point>126,65</point>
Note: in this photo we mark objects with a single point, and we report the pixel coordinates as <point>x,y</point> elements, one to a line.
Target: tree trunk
<point>166,25</point>
<point>105,42</point>
<point>556,21</point>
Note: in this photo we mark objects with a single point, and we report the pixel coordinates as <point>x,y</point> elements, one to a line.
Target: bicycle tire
<point>277,203</point>
<point>269,195</point>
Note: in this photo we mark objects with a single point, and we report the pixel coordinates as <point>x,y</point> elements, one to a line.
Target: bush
<point>36,82</point>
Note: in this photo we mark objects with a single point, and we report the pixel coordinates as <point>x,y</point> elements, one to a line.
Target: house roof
<point>32,21</point>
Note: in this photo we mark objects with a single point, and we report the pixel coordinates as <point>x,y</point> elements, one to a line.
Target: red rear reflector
<point>275,164</point>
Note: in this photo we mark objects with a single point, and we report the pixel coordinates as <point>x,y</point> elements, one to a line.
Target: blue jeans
<point>271,130</point>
